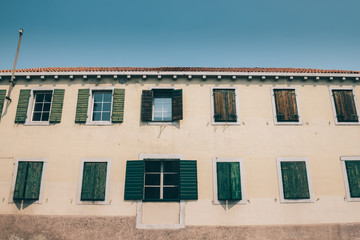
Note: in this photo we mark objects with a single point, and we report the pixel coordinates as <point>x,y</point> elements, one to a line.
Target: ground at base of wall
<point>28,227</point>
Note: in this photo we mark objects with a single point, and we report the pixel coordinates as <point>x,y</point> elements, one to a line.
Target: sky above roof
<point>141,33</point>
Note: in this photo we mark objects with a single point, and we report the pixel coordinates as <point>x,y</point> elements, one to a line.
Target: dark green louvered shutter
<point>82,106</point>
<point>118,106</point>
<point>146,105</point>
<point>100,181</point>
<point>228,179</point>
<point>33,180</point>
<point>2,100</point>
<point>57,105</point>
<point>353,174</point>
<point>19,190</point>
<point>134,180</point>
<point>22,106</point>
<point>94,181</point>
<point>188,180</point>
<point>295,181</point>
<point>177,105</point>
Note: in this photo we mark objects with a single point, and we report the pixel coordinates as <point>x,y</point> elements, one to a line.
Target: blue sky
<point>151,33</point>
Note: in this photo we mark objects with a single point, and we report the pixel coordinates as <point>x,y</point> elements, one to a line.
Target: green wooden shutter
<point>82,106</point>
<point>2,100</point>
<point>223,180</point>
<point>177,105</point>
<point>188,180</point>
<point>134,180</point>
<point>294,177</point>
<point>33,181</point>
<point>100,181</point>
<point>235,180</point>
<point>87,187</point>
<point>118,106</point>
<point>57,105</point>
<point>353,174</point>
<point>19,190</point>
<point>146,105</point>
<point>22,106</point>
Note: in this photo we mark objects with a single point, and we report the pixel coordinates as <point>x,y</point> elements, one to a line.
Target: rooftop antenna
<point>12,80</point>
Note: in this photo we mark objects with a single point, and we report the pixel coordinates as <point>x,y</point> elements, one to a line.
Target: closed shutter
<point>118,106</point>
<point>22,106</point>
<point>82,106</point>
<point>146,105</point>
<point>100,181</point>
<point>231,105</point>
<point>235,181</point>
<point>177,105</point>
<point>33,181</point>
<point>353,174</point>
<point>295,182</point>
<point>228,179</point>
<point>219,106</point>
<point>2,100</point>
<point>286,107</point>
<point>57,105</point>
<point>188,180</point>
<point>94,181</point>
<point>351,114</point>
<point>134,180</point>
<point>19,190</point>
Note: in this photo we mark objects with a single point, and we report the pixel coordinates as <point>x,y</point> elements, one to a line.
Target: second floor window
<point>345,107</point>
<point>285,105</point>
<point>224,105</point>
<point>102,101</point>
<point>42,104</point>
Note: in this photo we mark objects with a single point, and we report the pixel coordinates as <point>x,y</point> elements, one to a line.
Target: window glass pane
<point>105,116</point>
<point>152,193</point>
<point>38,107</point>
<point>106,107</point>
<point>36,117</point>
<point>107,97</point>
<point>171,166</point>
<point>152,166</point>
<point>97,107</point>
<point>39,97</point>
<point>96,116</point>
<point>171,179</point>
<point>46,107</point>
<point>152,179</point>
<point>45,116</point>
<point>48,97</point>
<point>171,193</point>
<point>163,105</point>
<point>97,97</point>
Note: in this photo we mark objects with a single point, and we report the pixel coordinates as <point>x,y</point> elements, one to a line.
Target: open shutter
<point>134,180</point>
<point>82,106</point>
<point>33,181</point>
<point>350,109</point>
<point>88,181</point>
<point>22,106</point>
<point>177,104</point>
<point>234,169</point>
<point>100,181</point>
<point>57,105</point>
<point>223,180</point>
<point>219,106</point>
<point>188,180</point>
<point>295,183</point>
<point>353,174</point>
<point>118,106</point>
<point>20,180</point>
<point>2,100</point>
<point>146,105</point>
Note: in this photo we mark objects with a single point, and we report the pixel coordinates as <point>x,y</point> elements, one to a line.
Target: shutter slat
<point>146,105</point>
<point>33,181</point>
<point>353,174</point>
<point>295,182</point>
<point>219,105</point>
<point>118,105</point>
<point>223,180</point>
<point>88,182</point>
<point>350,109</point>
<point>188,180</point>
<point>100,181</point>
<point>57,106</point>
<point>2,100</point>
<point>82,105</point>
<point>235,180</point>
<point>231,114</point>
<point>134,180</point>
<point>20,180</point>
<point>22,106</point>
<point>177,104</point>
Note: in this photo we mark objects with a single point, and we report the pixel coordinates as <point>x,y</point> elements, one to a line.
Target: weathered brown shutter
<point>118,105</point>
<point>219,106</point>
<point>82,105</point>
<point>57,105</point>
<point>134,180</point>
<point>19,190</point>
<point>294,178</point>
<point>177,105</point>
<point>22,106</point>
<point>286,107</point>
<point>146,105</point>
<point>351,114</point>
<point>353,174</point>
<point>33,180</point>
<point>339,105</point>
<point>231,106</point>
<point>2,100</point>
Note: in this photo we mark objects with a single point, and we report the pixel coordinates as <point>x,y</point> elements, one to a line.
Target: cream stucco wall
<point>257,140</point>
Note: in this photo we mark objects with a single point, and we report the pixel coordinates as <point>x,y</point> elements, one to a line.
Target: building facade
<point>272,151</point>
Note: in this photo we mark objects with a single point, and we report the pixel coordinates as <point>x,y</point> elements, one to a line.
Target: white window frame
<point>31,105</point>
<point>281,189</point>
<point>242,179</point>
<point>213,106</point>
<point>42,184</point>
<point>89,121</point>
<point>346,180</point>
<point>108,170</point>
<point>276,122</point>
<point>173,122</point>
<point>334,108</point>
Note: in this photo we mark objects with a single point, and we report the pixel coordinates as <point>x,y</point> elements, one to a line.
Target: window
<point>344,106</point>
<point>285,106</point>
<point>294,180</point>
<point>161,179</point>
<point>100,106</point>
<point>28,180</point>
<point>351,170</point>
<point>94,181</point>
<point>40,106</point>
<point>224,107</point>
<point>228,180</point>
<point>161,105</point>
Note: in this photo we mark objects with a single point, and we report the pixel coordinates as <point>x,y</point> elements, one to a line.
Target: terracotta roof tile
<point>178,69</point>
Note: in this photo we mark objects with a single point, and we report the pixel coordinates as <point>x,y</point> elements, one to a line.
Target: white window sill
<point>225,123</point>
<point>296,200</point>
<point>98,124</point>
<point>37,124</point>
<point>173,123</point>
<point>79,202</point>
<point>347,123</point>
<point>288,123</point>
<point>230,202</point>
